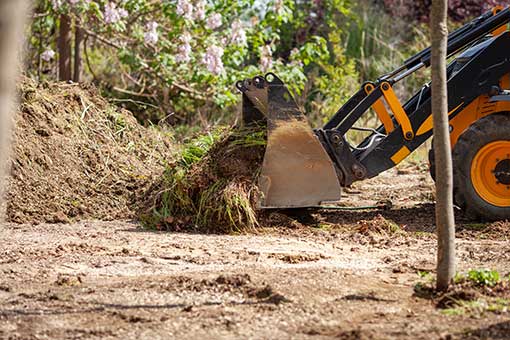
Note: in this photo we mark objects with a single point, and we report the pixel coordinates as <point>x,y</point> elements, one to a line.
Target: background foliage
<point>458,10</point>
<point>176,61</point>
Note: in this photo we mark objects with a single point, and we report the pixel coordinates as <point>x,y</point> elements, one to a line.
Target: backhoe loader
<point>307,168</point>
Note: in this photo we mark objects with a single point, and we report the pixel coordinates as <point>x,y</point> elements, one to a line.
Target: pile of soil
<point>76,156</point>
<point>217,193</point>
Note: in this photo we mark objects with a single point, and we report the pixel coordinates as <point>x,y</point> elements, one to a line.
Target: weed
<point>476,292</point>
<point>323,226</point>
<point>118,121</point>
<point>484,277</point>
<point>253,138</point>
<point>423,274</point>
<point>425,287</point>
<point>478,306</point>
<point>478,277</point>
<point>453,311</point>
<point>423,290</point>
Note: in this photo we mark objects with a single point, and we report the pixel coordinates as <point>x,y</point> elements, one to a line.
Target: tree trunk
<point>78,38</point>
<point>39,52</point>
<point>12,18</point>
<point>64,48</point>
<point>445,221</point>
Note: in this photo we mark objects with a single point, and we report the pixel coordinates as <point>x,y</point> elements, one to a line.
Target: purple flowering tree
<point>181,57</point>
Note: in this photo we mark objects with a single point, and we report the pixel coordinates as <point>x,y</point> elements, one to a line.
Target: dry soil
<point>329,274</point>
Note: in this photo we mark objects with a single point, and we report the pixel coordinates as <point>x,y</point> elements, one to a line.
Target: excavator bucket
<point>296,171</point>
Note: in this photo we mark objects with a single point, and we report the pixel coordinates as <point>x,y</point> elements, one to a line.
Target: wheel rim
<point>490,173</point>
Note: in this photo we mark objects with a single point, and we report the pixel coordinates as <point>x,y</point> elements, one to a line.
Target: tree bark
<point>64,48</point>
<point>12,18</point>
<point>78,38</point>
<point>445,221</point>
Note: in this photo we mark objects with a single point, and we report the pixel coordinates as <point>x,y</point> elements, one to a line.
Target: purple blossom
<point>151,36</point>
<point>112,14</point>
<point>212,59</point>
<point>294,58</point>
<point>123,13</point>
<point>200,10</point>
<point>266,57</point>
<point>185,8</point>
<point>184,50</point>
<point>48,55</point>
<point>238,33</point>
<point>186,38</point>
<point>213,21</point>
<point>56,4</point>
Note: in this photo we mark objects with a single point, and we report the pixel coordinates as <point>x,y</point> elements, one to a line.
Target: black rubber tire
<point>432,162</point>
<point>482,132</point>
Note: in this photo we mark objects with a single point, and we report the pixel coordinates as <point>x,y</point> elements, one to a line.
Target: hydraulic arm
<point>305,168</point>
<point>468,79</point>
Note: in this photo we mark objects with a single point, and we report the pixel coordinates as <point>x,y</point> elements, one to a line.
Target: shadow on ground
<point>419,218</point>
<point>497,331</point>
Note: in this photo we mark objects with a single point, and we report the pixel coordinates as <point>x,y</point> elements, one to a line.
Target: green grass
<point>478,307</point>
<point>499,305</point>
<point>197,148</point>
<point>479,277</point>
<point>467,307</point>
<point>174,193</point>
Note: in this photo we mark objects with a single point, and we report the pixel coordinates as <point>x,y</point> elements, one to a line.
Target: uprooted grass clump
<point>211,187</point>
<point>378,225</point>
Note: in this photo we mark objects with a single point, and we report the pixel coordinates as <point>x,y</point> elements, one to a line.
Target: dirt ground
<point>328,276</point>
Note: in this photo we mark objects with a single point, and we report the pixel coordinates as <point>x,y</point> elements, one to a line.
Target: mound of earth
<point>76,156</point>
